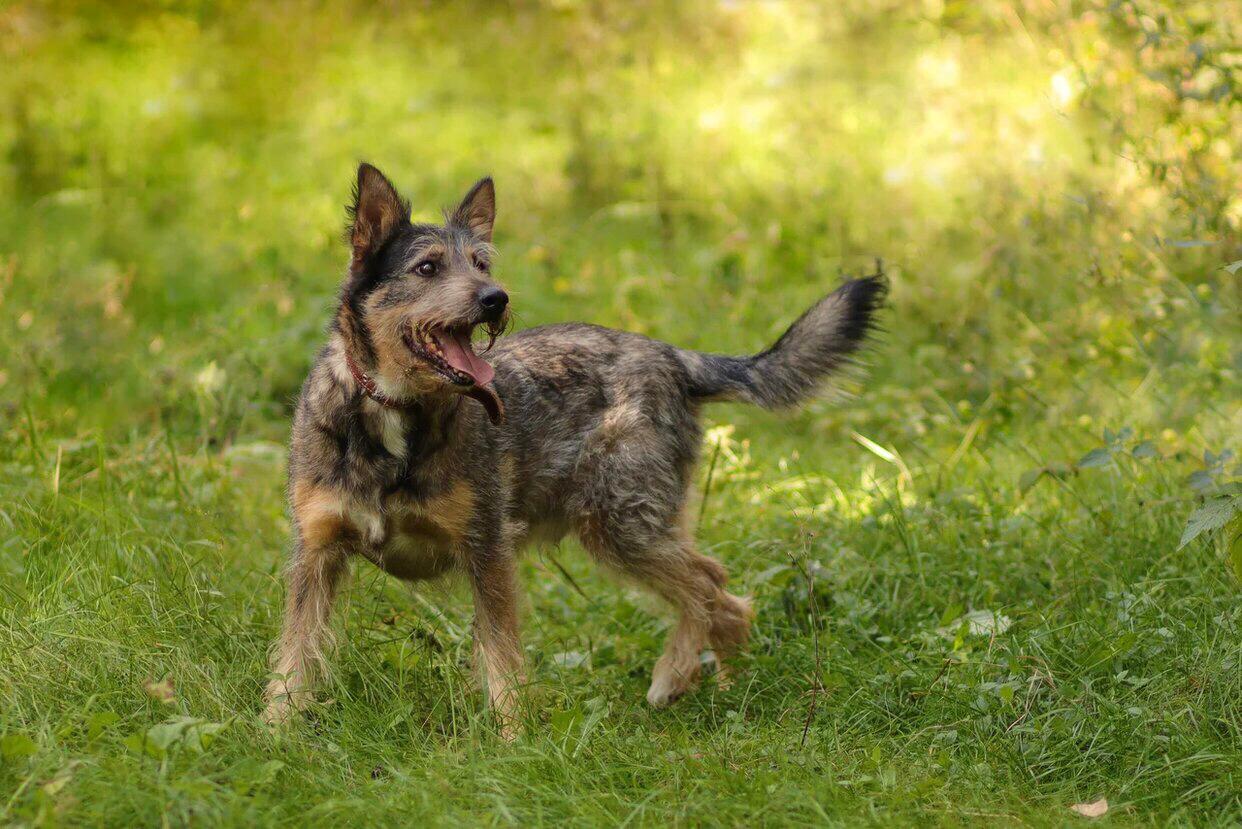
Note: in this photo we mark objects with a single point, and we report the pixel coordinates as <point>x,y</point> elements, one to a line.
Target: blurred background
<point>1053,187</point>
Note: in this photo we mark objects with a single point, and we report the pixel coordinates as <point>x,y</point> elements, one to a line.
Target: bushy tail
<point>821,341</point>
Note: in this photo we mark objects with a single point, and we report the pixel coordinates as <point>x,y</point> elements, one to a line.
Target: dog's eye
<point>425,269</point>
<point>483,265</point>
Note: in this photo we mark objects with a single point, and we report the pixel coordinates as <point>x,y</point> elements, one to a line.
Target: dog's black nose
<point>493,300</point>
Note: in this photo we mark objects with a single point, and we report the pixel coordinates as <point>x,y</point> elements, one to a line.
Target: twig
<point>707,487</point>
<point>182,492</point>
<point>931,685</point>
<point>816,684</point>
<point>568,577</point>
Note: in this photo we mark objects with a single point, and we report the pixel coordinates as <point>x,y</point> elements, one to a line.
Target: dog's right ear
<point>376,212</point>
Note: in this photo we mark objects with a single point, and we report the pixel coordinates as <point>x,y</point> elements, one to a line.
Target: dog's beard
<point>494,331</point>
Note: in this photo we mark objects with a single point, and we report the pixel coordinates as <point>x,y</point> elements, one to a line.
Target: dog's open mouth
<point>449,352</point>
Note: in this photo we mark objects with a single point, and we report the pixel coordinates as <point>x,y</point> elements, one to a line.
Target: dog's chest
<point>392,433</point>
<point>423,537</point>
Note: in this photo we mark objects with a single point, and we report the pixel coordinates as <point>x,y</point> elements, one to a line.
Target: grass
<point>973,607</point>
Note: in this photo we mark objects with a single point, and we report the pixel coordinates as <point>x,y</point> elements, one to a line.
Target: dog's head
<point>416,293</point>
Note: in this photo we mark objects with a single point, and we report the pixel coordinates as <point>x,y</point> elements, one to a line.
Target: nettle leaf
<point>1201,480</point>
<point>1145,449</point>
<point>1033,476</point>
<point>563,722</point>
<point>251,774</point>
<point>951,614</point>
<point>1096,457</point>
<point>767,575</point>
<point>1233,543</point>
<point>1212,515</point>
<point>99,722</point>
<point>139,744</point>
<point>187,732</point>
<point>1029,479</point>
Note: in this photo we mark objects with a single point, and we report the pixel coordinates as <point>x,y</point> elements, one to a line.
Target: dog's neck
<point>377,395</point>
<point>372,389</point>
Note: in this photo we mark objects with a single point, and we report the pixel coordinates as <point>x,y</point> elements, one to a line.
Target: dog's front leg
<point>319,564</point>
<point>498,647</point>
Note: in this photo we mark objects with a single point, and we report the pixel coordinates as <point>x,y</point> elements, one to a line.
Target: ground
<point>974,601</point>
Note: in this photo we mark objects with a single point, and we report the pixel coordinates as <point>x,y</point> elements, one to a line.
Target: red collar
<point>370,389</point>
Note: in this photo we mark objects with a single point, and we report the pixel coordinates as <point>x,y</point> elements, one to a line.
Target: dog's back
<point>602,425</point>
<point>594,414</point>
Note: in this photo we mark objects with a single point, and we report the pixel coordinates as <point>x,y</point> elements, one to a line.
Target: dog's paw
<point>277,713</point>
<point>668,683</point>
<point>283,706</point>
<point>660,696</point>
<point>509,731</point>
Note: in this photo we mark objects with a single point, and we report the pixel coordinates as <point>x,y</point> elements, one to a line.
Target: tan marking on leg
<point>321,514</point>
<point>689,589</point>
<point>314,577</point>
<point>313,583</point>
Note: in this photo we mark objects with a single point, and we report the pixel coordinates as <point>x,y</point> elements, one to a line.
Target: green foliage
<point>1215,513</point>
<point>976,610</point>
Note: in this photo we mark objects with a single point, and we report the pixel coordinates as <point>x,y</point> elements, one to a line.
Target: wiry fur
<point>600,441</point>
<point>806,355</point>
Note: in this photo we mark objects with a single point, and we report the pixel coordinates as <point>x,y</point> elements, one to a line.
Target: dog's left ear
<point>477,210</point>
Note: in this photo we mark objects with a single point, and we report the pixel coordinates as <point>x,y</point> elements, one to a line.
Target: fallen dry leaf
<point>1095,809</point>
<point>62,778</point>
<point>162,690</point>
<point>981,623</point>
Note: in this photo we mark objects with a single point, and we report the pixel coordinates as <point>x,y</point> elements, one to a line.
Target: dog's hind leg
<point>707,615</point>
<point>629,507</point>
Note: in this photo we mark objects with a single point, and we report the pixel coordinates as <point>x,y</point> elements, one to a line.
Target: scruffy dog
<point>419,454</point>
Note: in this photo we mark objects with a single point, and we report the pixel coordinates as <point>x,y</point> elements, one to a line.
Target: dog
<point>414,451</point>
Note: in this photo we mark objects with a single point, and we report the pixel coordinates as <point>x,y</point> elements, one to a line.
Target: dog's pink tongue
<point>459,355</point>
